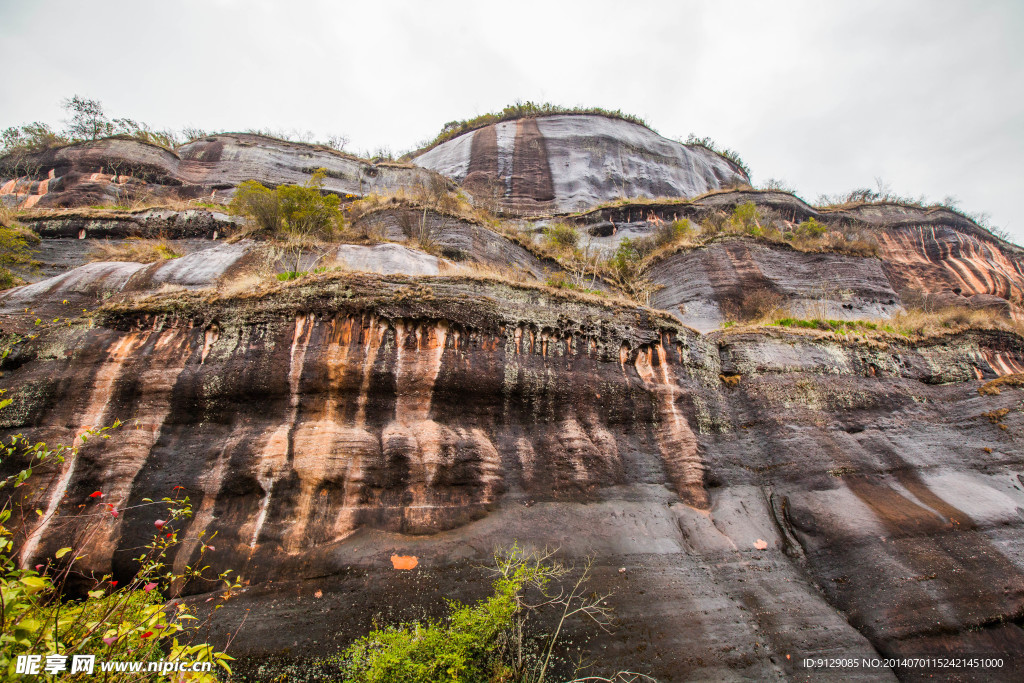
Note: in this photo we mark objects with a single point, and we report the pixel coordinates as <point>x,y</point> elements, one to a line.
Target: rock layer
<point>116,170</point>
<point>339,422</point>
<point>707,286</point>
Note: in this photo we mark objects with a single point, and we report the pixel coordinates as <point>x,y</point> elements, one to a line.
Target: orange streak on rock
<point>404,561</point>
<point>158,371</point>
<point>676,440</point>
<point>92,416</point>
<point>323,448</point>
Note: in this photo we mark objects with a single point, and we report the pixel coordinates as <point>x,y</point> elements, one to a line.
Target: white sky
<point>928,96</point>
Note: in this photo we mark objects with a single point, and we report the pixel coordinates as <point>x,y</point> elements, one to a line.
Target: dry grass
<point>435,195</point>
<point>475,269</point>
<point>135,250</point>
<point>913,325</point>
<point>663,201</point>
<point>993,387</point>
<point>120,210</point>
<point>247,282</point>
<point>7,216</point>
<point>258,284</point>
<point>919,323</point>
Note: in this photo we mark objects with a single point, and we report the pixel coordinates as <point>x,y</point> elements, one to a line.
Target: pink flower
<point>147,634</point>
<point>113,584</point>
<point>38,567</point>
<point>96,494</point>
<point>148,587</point>
<point>159,524</point>
<point>110,641</point>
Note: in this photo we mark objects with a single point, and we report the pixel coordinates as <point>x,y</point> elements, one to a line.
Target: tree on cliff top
<point>88,121</point>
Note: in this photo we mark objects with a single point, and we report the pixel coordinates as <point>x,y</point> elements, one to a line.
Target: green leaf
<point>62,552</point>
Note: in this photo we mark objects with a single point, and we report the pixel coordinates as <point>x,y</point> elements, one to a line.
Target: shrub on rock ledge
<point>290,211</point>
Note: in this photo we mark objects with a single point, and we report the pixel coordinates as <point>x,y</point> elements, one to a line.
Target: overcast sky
<point>828,96</point>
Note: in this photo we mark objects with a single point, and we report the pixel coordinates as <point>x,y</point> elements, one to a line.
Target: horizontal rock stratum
<point>362,439</point>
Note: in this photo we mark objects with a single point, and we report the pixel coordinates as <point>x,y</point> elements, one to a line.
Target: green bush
<point>15,250</point>
<point>809,229</point>
<point>487,641</point>
<point>295,211</point>
<point>561,236</point>
<point>677,230</point>
<point>745,219</point>
<point>625,261</point>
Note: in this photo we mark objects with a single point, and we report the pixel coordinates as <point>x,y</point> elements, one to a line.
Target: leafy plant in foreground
<point>493,640</point>
<point>129,622</point>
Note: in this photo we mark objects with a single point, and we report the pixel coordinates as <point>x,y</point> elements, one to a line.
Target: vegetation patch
<point>994,387</point>
<point>135,250</point>
<point>912,324</point>
<point>46,614</point>
<point>16,249</point>
<point>709,144</point>
<point>496,639</point>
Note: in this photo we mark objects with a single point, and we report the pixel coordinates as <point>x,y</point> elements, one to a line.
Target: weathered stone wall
<point>797,509</point>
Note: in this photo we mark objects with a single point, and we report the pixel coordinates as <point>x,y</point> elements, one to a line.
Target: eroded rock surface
<point>113,170</point>
<point>575,162</point>
<point>348,419</point>
<point>752,498</point>
<point>707,286</point>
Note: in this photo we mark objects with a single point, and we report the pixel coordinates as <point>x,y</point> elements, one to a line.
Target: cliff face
<point>115,170</point>
<point>323,429</point>
<point>751,496</point>
<point>931,253</point>
<point>574,162</point>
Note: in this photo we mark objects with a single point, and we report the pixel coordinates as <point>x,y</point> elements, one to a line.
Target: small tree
<point>88,121</point>
<point>28,138</point>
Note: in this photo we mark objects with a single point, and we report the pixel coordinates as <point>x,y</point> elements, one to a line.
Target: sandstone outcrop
<point>328,426</point>
<point>572,162</point>
<point>362,438</point>
<point>116,170</point>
